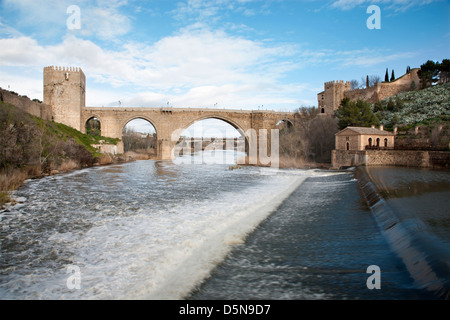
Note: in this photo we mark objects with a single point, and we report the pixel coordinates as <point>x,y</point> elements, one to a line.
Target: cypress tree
<point>386,76</point>
<point>392,76</point>
<point>367,81</point>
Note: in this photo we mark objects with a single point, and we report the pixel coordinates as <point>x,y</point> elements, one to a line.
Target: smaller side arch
<point>287,123</point>
<point>93,126</point>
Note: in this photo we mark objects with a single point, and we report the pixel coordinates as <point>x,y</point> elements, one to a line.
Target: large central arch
<point>176,134</point>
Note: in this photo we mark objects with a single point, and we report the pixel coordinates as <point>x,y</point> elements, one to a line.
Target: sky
<point>228,54</point>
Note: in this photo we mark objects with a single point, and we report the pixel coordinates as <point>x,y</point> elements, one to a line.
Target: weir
<point>427,261</point>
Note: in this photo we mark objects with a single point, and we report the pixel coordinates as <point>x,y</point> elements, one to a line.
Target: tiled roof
<point>364,130</point>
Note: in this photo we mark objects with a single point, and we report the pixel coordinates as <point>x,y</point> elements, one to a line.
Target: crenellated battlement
<point>337,82</point>
<point>63,69</point>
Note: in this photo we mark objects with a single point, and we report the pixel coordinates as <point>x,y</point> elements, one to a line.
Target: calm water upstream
<point>164,230</point>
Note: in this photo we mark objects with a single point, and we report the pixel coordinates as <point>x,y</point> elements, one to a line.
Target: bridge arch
<point>93,125</point>
<point>135,117</point>
<point>177,133</point>
<point>217,117</point>
<point>285,123</point>
<point>132,140</point>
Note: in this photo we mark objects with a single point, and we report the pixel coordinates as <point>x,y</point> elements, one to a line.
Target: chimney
<point>373,126</point>
<point>381,127</point>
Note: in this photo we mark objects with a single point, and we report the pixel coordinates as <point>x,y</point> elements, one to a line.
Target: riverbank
<point>13,179</point>
<point>32,147</point>
<point>414,239</point>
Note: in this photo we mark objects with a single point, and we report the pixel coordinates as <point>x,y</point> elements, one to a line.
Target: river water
<point>165,230</point>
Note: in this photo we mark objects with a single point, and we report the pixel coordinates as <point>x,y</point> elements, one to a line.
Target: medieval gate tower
<point>65,92</point>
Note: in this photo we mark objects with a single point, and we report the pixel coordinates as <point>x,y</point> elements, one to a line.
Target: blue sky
<point>240,54</point>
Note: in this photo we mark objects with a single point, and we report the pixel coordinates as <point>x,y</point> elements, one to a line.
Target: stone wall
<point>34,108</point>
<point>383,90</point>
<point>335,91</point>
<point>110,148</point>
<point>405,158</point>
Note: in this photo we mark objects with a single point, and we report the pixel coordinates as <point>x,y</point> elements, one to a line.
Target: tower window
<point>67,75</point>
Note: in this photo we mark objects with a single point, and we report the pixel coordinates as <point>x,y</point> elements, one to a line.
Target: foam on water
<point>138,251</point>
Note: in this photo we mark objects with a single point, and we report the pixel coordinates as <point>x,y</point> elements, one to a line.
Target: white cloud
<point>23,84</point>
<point>101,19</point>
<point>195,67</point>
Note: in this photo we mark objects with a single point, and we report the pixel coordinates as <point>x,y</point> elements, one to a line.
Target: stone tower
<point>65,92</point>
<point>330,99</point>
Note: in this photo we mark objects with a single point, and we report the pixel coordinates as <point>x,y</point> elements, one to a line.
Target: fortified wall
<point>334,91</point>
<point>24,103</point>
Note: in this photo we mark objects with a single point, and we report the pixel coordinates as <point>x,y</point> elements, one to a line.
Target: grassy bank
<point>31,147</point>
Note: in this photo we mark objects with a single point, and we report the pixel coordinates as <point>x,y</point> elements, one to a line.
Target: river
<point>180,230</point>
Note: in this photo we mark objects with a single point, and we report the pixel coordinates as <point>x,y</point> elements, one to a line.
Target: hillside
<point>31,147</point>
<point>421,107</point>
<point>422,118</point>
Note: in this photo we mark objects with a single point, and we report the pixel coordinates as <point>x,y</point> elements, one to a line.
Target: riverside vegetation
<point>31,147</point>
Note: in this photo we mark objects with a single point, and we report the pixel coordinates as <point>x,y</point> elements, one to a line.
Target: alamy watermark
<point>374,281</point>
<point>73,22</point>
<point>73,282</point>
<point>374,21</point>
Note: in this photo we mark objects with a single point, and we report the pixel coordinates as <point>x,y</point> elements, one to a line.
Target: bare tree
<point>373,80</point>
<point>311,138</point>
<point>354,84</point>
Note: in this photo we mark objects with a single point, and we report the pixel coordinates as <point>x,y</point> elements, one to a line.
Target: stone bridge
<point>65,93</point>
<point>169,123</point>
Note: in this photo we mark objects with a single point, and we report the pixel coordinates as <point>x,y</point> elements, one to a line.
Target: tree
<point>392,75</point>
<point>367,82</point>
<point>444,71</point>
<point>354,84</point>
<point>311,138</point>
<point>373,80</point>
<point>428,73</point>
<point>359,114</point>
<point>386,76</point>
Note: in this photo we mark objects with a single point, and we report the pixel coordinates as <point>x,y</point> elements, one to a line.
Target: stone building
<point>360,138</point>
<point>65,92</point>
<point>328,101</point>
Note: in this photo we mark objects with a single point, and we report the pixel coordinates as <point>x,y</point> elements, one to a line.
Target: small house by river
<point>361,138</point>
